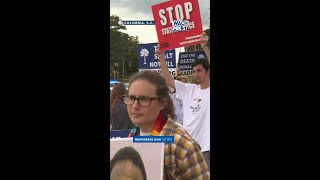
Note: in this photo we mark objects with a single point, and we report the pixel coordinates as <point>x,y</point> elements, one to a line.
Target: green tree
<point>198,46</point>
<point>123,49</point>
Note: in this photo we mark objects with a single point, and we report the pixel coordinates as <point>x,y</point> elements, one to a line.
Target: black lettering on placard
<point>173,73</point>
<point>164,45</point>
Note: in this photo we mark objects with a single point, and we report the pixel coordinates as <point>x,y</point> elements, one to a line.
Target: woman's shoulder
<point>182,138</point>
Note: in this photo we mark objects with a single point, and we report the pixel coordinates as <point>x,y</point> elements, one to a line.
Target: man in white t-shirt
<point>195,98</point>
<point>177,103</point>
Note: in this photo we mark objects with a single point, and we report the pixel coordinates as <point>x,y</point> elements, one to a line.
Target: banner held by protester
<point>148,158</point>
<point>186,59</point>
<point>178,23</point>
<point>120,133</point>
<point>148,60</point>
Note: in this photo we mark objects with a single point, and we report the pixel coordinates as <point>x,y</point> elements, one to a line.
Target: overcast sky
<point>141,10</point>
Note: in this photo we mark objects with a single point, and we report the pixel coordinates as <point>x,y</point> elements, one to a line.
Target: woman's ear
<point>163,103</point>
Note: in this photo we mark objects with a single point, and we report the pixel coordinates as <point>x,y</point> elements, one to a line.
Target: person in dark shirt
<point>119,118</point>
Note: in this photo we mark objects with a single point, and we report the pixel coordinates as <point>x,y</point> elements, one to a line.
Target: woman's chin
<point>136,121</point>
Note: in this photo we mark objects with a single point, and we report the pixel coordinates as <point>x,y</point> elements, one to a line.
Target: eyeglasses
<point>142,100</point>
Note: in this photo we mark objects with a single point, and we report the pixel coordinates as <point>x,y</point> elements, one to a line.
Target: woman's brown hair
<point>162,90</point>
<point>118,91</point>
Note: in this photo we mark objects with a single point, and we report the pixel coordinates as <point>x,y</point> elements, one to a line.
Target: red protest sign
<point>168,17</point>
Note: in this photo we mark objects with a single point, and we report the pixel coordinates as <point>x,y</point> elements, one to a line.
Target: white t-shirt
<point>196,112</point>
<point>178,108</point>
<point>144,134</point>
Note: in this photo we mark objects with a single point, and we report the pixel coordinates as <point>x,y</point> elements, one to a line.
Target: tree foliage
<point>198,46</point>
<point>123,50</point>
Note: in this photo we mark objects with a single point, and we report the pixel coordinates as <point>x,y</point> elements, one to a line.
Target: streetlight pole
<point>116,65</point>
<point>123,69</point>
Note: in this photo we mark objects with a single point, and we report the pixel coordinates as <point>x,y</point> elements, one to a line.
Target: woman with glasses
<point>151,110</point>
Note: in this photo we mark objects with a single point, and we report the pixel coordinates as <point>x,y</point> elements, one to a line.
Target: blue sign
<point>148,59</point>
<point>153,139</point>
<point>180,26</point>
<point>120,133</point>
<point>186,59</point>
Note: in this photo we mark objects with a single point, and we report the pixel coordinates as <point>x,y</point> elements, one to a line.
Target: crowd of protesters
<point>182,109</point>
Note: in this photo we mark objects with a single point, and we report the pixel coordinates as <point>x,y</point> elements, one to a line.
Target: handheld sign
<point>148,60</point>
<point>124,133</point>
<point>178,23</point>
<point>148,157</point>
<point>186,59</point>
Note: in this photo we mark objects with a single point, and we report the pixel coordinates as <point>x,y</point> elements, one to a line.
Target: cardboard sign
<point>148,60</point>
<point>186,59</point>
<point>168,16</point>
<point>151,155</point>
<point>120,133</point>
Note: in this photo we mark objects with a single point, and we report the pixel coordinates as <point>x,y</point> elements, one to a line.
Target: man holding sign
<point>195,98</point>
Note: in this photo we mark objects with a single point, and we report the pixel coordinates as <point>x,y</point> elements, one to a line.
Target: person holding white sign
<point>195,98</point>
<point>151,110</point>
<point>127,164</point>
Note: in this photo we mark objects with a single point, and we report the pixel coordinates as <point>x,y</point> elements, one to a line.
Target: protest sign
<point>186,59</point>
<point>151,155</point>
<point>178,23</point>
<point>120,133</point>
<point>148,60</point>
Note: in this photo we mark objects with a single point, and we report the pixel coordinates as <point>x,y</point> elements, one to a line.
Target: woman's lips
<point>136,114</point>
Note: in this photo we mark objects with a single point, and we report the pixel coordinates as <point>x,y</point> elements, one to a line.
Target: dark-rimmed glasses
<point>142,100</point>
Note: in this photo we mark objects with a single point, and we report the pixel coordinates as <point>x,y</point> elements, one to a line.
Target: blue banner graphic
<point>120,133</point>
<point>153,139</point>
